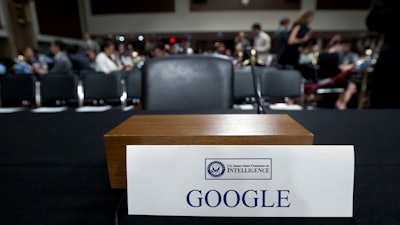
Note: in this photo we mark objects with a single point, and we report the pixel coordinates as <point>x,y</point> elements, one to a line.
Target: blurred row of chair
<point>70,89</point>
<point>174,82</point>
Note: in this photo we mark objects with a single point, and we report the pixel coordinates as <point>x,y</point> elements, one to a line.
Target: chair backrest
<point>243,82</point>
<point>328,65</point>
<point>102,86</point>
<point>59,87</point>
<point>185,82</point>
<point>133,80</point>
<point>281,83</point>
<point>18,90</point>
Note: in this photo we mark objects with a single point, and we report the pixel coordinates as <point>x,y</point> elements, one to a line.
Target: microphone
<point>256,80</point>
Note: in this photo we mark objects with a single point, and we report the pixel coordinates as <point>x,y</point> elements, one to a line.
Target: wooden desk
<point>221,129</point>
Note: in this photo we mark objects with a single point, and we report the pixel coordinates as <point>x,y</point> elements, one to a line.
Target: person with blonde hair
<point>299,35</point>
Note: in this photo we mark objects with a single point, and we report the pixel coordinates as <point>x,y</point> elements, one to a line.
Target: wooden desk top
<point>215,129</point>
<point>210,125</point>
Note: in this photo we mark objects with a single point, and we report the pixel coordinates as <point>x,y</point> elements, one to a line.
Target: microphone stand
<point>256,82</point>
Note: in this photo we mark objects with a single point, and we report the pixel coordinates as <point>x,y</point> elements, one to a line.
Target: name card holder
<point>240,180</point>
<point>215,129</point>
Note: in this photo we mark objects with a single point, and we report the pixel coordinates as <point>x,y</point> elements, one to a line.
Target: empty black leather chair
<point>19,90</point>
<point>281,83</point>
<point>102,88</point>
<point>243,89</point>
<point>331,80</point>
<point>133,82</point>
<point>59,89</point>
<point>188,82</point>
<point>328,65</point>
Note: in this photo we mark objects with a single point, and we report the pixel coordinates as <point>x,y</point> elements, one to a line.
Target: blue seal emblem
<point>216,169</point>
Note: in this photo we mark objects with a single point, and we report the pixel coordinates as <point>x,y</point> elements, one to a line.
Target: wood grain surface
<point>215,129</point>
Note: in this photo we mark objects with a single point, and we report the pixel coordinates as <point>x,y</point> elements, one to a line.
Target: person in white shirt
<point>261,43</point>
<point>104,61</point>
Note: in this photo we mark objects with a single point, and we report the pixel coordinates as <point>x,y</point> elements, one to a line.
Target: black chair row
<point>57,89</point>
<point>276,84</point>
<point>17,90</point>
<point>167,83</point>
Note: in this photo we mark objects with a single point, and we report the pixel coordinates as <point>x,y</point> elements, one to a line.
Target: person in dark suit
<point>281,38</point>
<point>62,62</point>
<point>80,61</point>
<point>385,80</point>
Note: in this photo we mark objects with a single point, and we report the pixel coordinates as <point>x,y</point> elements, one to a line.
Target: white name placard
<point>240,181</point>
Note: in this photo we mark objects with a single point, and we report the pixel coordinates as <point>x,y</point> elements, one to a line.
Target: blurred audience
<point>80,61</point>
<point>210,49</point>
<point>125,56</point>
<point>3,69</point>
<point>281,38</point>
<point>261,43</point>
<point>335,45</point>
<point>349,55</point>
<point>299,36</point>
<point>221,48</point>
<point>243,41</point>
<point>89,43</point>
<point>30,62</point>
<point>105,61</point>
<point>294,47</point>
<point>92,59</point>
<point>306,55</point>
<point>62,62</point>
<point>159,50</point>
<point>242,48</point>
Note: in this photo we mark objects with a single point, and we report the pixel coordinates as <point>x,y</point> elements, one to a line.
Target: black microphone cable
<point>116,211</point>
<point>256,82</point>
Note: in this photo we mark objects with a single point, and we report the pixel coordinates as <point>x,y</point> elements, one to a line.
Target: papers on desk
<point>127,108</point>
<point>11,109</point>
<point>244,106</point>
<point>49,109</point>
<point>276,106</point>
<point>284,106</point>
<point>93,108</point>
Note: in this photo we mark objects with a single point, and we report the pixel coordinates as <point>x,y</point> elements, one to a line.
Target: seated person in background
<point>80,61</point>
<point>8,64</point>
<point>105,60</point>
<point>306,55</point>
<point>125,56</point>
<point>30,62</point>
<point>210,49</point>
<point>349,55</point>
<point>159,50</point>
<point>62,62</point>
<point>92,59</point>
<point>21,66</point>
<point>37,61</point>
<point>307,62</point>
<point>335,46</point>
<point>221,47</point>
<point>89,43</point>
<point>3,69</point>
